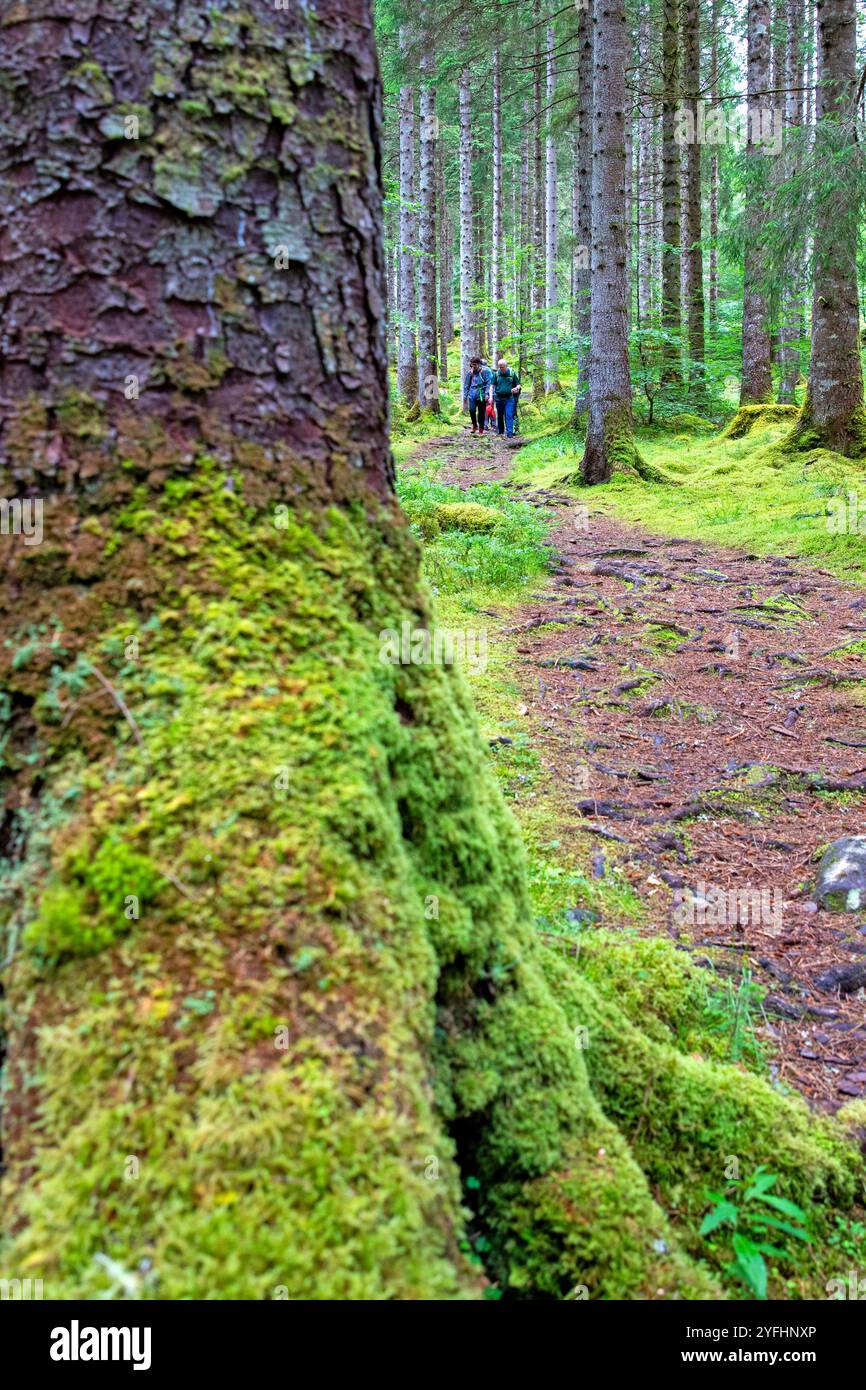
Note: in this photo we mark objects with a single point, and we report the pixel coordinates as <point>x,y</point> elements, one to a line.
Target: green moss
<point>750,417</point>
<point>466,516</point>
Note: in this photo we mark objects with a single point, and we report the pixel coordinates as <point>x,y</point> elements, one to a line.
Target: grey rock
<point>841,882</point>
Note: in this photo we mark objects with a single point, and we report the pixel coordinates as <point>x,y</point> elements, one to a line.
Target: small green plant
<point>754,1227</point>
<point>733,1013</point>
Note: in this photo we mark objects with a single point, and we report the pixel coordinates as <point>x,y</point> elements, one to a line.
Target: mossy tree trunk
<point>833,414</point>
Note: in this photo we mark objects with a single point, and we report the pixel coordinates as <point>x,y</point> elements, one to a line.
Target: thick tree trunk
<point>289,1074</point>
<point>551,297</point>
<point>692,248</point>
<point>497,264</point>
<point>610,432</point>
<point>427,364</point>
<point>467,243</point>
<point>584,273</point>
<point>407,350</point>
<point>671,290</point>
<point>833,413</point>
<point>757,381</point>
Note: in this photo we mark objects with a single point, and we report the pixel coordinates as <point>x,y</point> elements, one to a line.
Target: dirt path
<point>696,705</point>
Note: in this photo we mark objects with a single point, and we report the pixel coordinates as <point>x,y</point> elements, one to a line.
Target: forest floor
<point>698,713</point>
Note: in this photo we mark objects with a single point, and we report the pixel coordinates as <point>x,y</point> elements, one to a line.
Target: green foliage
<point>758,1217</point>
<point>481,537</point>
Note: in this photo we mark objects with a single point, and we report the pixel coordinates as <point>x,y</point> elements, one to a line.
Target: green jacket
<point>503,384</point>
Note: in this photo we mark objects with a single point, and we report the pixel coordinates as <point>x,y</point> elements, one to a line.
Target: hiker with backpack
<point>506,389</point>
<point>476,393</point>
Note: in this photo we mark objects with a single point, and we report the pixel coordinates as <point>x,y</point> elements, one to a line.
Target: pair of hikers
<point>483,388</point>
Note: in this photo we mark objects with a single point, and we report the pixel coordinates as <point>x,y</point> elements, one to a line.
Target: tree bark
<point>757,381</point>
<point>467,241</point>
<point>671,292</point>
<point>692,250</point>
<point>584,272</point>
<point>407,348</point>
<point>646,235</point>
<point>538,219</point>
<point>446,288</point>
<point>833,413</point>
<point>791,327</point>
<point>497,265</point>
<point>714,176</point>
<point>610,430</point>
<point>551,298</point>
<point>429,132</point>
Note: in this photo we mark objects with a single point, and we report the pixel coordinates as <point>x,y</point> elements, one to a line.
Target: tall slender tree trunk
<point>575,231</point>
<point>671,292</point>
<point>427,364</point>
<point>524,292</point>
<point>645,210</point>
<point>551,297</point>
<point>497,263</point>
<point>714,174</point>
<point>610,430</point>
<point>757,382</point>
<point>833,413</point>
<point>467,245</point>
<point>407,353</point>
<point>538,195</point>
<point>793,292</point>
<point>692,250</point>
<point>446,288</point>
<point>584,273</point>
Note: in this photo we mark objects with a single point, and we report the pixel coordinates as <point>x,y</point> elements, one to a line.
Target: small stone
<point>841,881</point>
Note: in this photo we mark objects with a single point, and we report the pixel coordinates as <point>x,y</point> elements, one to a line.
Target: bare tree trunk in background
<point>392,293</point>
<point>479,326</point>
<point>497,264</point>
<point>714,175</point>
<point>791,326</point>
<point>584,273</point>
<point>610,430</point>
<point>671,295</point>
<point>645,211</point>
<point>467,249</point>
<point>757,382</point>
<point>429,384</point>
<point>551,323</point>
<point>524,296</point>
<point>692,249</point>
<point>833,414</point>
<point>538,192</point>
<point>575,231</point>
<point>446,289</point>
<point>407,356</point>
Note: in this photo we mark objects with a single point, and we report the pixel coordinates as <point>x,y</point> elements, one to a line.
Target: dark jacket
<point>480,386</point>
<point>504,383</point>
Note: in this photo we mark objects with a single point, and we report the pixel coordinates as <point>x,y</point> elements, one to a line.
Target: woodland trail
<point>697,709</point>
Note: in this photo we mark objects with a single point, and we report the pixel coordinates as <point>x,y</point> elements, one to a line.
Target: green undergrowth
<point>483,537</point>
<point>747,492</point>
<point>330,1056</point>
